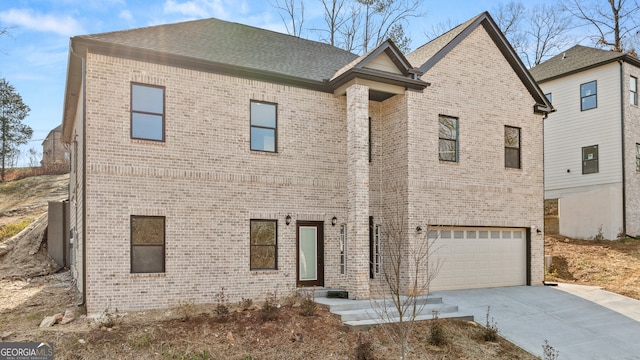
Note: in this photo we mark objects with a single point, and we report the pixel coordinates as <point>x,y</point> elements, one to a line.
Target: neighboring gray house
<point>210,154</point>
<point>592,141</point>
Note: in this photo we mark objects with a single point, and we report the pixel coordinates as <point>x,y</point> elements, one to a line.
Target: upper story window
<point>590,159</point>
<point>263,126</point>
<point>263,245</point>
<point>633,90</point>
<point>511,147</point>
<point>549,97</point>
<point>147,112</point>
<point>448,138</point>
<point>588,95</point>
<point>147,244</point>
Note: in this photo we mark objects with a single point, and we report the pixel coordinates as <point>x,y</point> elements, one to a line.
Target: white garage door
<point>480,257</point>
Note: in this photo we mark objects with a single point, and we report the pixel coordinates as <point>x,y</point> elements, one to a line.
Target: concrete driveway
<point>580,322</point>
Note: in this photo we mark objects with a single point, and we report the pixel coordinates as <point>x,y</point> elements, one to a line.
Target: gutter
<point>84,184</point>
<point>624,183</point>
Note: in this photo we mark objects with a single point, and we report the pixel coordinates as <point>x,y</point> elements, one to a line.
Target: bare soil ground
<point>612,265</point>
<point>196,332</point>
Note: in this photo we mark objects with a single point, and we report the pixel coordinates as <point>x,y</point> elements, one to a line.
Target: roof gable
<point>434,51</point>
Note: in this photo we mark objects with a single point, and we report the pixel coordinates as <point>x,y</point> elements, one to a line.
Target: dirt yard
<point>613,265</point>
<point>196,332</point>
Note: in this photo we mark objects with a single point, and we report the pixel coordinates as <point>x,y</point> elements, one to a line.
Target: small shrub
<point>246,304</point>
<point>292,298</point>
<point>364,349</point>
<point>247,357</point>
<point>270,308</point>
<point>222,307</point>
<point>490,332</point>
<point>600,235</point>
<point>186,309</point>
<point>549,352</point>
<point>140,341</point>
<point>308,305</point>
<point>437,336</point>
<point>109,318</point>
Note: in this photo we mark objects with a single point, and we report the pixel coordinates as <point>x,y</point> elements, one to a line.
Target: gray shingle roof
<point>575,59</point>
<point>228,43</point>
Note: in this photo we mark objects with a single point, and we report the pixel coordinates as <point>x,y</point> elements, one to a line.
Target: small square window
<point>264,126</point>
<point>147,244</point>
<point>263,244</point>
<point>448,138</point>
<point>590,159</point>
<point>588,95</point>
<point>147,112</point>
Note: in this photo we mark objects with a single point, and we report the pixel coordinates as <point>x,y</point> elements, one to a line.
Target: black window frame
<point>585,162</point>
<point>510,149</point>
<point>343,249</point>
<point>132,266</point>
<point>449,140</point>
<point>583,96</point>
<point>637,157</point>
<point>274,129</point>
<point>162,115</point>
<point>633,93</point>
<point>275,245</point>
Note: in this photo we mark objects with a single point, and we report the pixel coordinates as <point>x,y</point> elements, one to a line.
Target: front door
<point>310,253</point>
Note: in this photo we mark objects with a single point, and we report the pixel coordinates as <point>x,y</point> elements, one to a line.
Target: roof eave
<point>158,57</point>
<point>379,76</point>
<point>72,91</point>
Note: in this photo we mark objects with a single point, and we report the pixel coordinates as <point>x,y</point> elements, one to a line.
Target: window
<point>377,251</point>
<point>637,157</point>
<point>147,244</point>
<point>588,96</point>
<point>549,97</point>
<point>633,90</point>
<point>147,112</point>
<point>511,147</point>
<point>263,244</point>
<point>448,138</point>
<point>263,126</point>
<point>590,159</point>
<point>343,249</point>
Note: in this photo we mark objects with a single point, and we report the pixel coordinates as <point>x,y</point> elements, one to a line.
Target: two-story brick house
<point>209,154</point>
<point>592,141</point>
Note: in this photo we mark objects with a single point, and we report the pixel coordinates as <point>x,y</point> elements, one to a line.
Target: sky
<point>34,54</point>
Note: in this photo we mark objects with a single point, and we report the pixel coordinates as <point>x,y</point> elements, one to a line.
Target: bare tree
<point>548,30</point>
<point>354,25</point>
<point>292,14</point>
<point>408,268</point>
<point>615,22</point>
<point>334,19</point>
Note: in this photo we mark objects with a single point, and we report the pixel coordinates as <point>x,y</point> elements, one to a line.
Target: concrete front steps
<point>361,314</point>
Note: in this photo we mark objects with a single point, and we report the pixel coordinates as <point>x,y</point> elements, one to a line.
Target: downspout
<point>624,187</point>
<point>84,183</point>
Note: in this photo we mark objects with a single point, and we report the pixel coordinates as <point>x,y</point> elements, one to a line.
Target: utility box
<point>58,232</point>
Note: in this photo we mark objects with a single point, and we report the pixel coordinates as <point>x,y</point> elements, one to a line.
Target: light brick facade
<point>208,185</point>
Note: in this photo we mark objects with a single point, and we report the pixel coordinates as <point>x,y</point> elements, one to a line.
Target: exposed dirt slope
<point>613,265</point>
<point>28,197</point>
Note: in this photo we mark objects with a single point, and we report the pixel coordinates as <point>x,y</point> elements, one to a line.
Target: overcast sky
<point>33,57</point>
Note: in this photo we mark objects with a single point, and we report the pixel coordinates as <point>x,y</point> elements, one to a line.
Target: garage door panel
<point>480,257</point>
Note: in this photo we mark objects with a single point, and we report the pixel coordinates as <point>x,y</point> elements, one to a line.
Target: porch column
<point>358,191</point>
